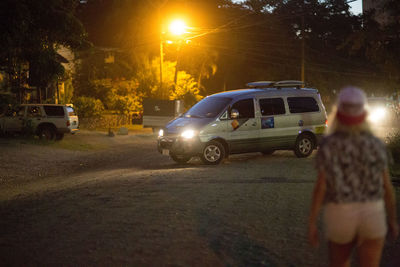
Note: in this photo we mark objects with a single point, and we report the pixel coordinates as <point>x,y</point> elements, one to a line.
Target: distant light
<point>377,114</point>
<point>177,27</point>
<point>169,42</point>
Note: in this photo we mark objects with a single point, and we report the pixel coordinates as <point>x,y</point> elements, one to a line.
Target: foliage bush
<point>105,122</point>
<point>393,144</point>
<point>186,89</point>
<point>6,100</point>
<point>88,107</point>
<point>124,97</point>
<point>124,94</point>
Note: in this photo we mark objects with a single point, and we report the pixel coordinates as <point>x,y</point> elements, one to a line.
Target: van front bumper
<point>179,146</point>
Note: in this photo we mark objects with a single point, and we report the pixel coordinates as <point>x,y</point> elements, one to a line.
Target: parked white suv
<point>48,121</point>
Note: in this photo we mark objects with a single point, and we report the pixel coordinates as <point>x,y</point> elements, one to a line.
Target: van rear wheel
<point>213,153</point>
<point>304,146</point>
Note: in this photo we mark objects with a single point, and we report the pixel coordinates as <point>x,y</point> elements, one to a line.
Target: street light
<point>177,27</point>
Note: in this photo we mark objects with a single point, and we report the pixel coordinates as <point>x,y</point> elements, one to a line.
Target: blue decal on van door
<point>267,123</point>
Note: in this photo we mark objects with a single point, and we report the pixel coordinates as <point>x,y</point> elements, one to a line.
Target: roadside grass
<point>76,145</point>
<point>132,128</point>
<point>72,143</point>
<point>85,140</point>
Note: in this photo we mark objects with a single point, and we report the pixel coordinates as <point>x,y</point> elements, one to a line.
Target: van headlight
<point>161,132</point>
<point>187,134</point>
<point>377,114</point>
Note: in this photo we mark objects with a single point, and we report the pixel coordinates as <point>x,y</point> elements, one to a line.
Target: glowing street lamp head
<point>177,27</point>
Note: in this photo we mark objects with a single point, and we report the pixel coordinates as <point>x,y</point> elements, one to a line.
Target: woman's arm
<point>316,204</point>
<point>390,204</point>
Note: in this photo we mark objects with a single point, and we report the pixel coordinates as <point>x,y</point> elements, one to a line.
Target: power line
<point>279,61</point>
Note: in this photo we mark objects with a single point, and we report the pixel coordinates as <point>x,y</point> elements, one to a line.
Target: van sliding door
<point>273,132</point>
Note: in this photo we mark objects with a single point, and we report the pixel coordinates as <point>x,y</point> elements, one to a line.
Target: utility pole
<point>161,91</point>
<point>161,66</point>
<point>302,50</point>
<point>178,50</point>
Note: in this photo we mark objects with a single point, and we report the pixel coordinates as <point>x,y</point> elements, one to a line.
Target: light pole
<point>161,66</point>
<point>177,28</point>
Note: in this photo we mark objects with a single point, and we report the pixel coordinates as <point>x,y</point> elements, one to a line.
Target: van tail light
<point>68,123</point>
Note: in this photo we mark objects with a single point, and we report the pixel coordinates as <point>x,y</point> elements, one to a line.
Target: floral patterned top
<point>353,167</point>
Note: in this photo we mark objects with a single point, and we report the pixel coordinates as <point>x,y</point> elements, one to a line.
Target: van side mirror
<point>234,114</point>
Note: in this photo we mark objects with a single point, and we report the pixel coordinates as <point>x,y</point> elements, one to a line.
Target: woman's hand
<point>313,234</point>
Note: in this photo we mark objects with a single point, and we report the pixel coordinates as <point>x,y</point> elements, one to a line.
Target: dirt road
<point>97,200</point>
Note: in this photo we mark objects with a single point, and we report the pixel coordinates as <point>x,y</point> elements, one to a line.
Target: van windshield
<point>209,107</point>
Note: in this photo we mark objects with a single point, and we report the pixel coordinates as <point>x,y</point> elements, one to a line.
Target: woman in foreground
<point>354,186</point>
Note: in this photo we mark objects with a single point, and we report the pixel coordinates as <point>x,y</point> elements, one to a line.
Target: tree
<point>30,33</point>
<point>379,43</point>
<point>233,44</point>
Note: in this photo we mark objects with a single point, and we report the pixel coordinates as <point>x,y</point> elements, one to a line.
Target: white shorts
<point>345,222</point>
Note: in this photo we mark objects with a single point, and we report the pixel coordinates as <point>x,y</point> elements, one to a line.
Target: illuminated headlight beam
<point>187,134</point>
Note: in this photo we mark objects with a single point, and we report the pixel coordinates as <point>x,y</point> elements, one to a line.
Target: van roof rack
<point>278,85</point>
<point>260,84</point>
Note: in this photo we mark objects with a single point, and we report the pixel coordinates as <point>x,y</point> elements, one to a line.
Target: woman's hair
<point>334,125</point>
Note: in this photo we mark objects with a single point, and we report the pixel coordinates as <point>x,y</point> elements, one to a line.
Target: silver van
<point>267,116</point>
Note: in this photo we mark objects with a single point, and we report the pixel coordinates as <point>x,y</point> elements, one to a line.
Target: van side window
<point>302,104</point>
<point>224,116</point>
<point>272,106</point>
<point>245,108</point>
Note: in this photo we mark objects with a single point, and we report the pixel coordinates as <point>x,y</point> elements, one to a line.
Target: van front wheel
<point>213,153</point>
<point>304,146</point>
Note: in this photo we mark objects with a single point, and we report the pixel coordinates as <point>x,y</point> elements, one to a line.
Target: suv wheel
<point>180,158</point>
<point>213,153</point>
<point>46,133</point>
<point>304,146</point>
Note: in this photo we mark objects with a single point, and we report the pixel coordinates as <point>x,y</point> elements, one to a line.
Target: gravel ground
<point>98,200</point>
